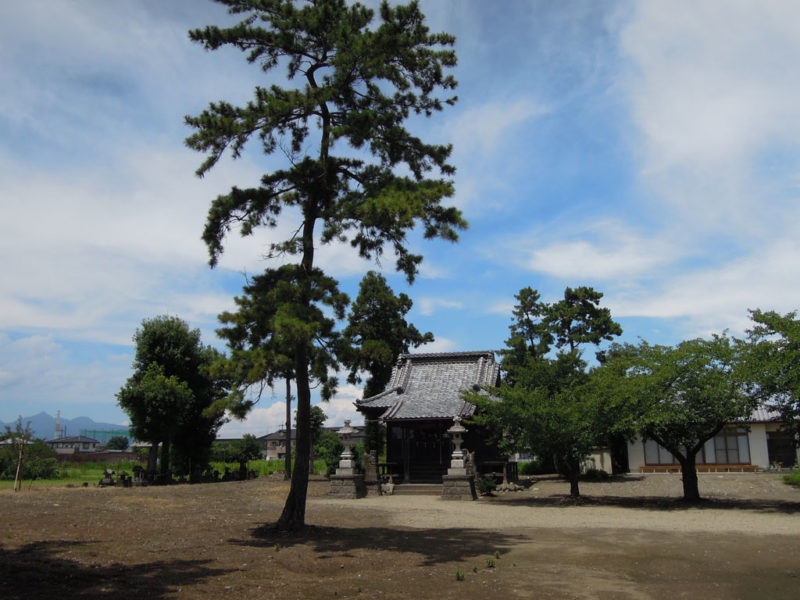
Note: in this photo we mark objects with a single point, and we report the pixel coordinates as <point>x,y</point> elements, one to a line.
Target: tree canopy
<point>682,396</point>
<point>775,363</point>
<point>171,396</point>
<point>354,173</point>
<point>378,331</point>
<point>547,402</point>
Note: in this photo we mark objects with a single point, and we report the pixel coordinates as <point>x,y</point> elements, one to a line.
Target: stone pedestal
<point>349,487</point>
<point>458,487</point>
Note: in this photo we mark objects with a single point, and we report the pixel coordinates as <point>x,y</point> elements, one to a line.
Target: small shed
<point>423,397</point>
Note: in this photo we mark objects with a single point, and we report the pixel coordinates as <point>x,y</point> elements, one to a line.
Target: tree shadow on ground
<point>434,545</point>
<point>656,503</point>
<point>38,570</point>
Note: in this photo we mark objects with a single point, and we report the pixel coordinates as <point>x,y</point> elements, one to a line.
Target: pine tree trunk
<point>691,492</point>
<point>293,517</point>
<point>288,443</point>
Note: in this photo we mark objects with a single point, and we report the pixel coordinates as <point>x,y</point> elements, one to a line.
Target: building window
<point>730,446</point>
<point>655,454</point>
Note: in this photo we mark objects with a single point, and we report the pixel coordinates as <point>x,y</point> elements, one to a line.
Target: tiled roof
<point>75,439</point>
<point>764,414</point>
<point>281,433</point>
<point>429,386</point>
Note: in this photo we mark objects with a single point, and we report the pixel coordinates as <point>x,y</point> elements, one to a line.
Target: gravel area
<point>733,502</point>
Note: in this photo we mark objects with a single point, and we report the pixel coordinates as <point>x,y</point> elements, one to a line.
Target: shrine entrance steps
<point>417,489</point>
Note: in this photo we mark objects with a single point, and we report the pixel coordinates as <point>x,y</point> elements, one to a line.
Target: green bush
<point>329,448</point>
<point>595,475</point>
<point>536,466</point>
<point>486,485</point>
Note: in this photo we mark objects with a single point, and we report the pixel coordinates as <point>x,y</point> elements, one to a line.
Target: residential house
<point>755,443</point>
<point>73,444</point>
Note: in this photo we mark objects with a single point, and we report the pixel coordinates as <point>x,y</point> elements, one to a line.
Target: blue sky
<point>648,149</point>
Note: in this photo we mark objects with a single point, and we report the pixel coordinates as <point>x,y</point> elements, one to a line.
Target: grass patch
<point>792,478</point>
<point>92,472</point>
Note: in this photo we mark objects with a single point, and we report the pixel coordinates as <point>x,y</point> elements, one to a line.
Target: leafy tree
<point>775,363</point>
<point>353,171</point>
<point>118,442</point>
<point>329,448</point>
<point>244,451</point>
<point>548,405</point>
<point>378,331</point>
<point>684,395</point>
<point>20,438</point>
<point>39,461</point>
<point>171,396</point>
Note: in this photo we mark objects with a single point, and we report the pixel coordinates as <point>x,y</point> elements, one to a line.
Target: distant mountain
<point>44,426</point>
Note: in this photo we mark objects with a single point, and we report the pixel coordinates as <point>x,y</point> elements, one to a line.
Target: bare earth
<point>629,538</point>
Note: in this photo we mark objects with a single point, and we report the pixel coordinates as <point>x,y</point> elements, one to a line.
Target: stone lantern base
<point>349,487</point>
<point>458,487</point>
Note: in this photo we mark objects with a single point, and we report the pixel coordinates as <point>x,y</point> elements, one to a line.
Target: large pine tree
<point>353,172</point>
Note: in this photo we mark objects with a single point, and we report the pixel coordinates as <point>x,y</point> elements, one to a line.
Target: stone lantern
<point>457,485</point>
<point>346,463</point>
<point>457,431</point>
<point>347,482</point>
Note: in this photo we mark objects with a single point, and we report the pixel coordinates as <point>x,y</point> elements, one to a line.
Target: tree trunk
<point>165,462</point>
<point>18,475</point>
<point>691,493</point>
<point>288,453</point>
<point>573,474</point>
<point>293,517</point>
<point>152,461</point>
<point>574,491</point>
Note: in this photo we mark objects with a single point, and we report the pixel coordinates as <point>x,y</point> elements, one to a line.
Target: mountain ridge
<point>43,425</point>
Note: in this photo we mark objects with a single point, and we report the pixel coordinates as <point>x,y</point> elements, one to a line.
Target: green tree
<point>775,363</point>
<point>262,334</point>
<point>244,451</point>
<point>171,398</point>
<point>118,442</point>
<point>378,331</point>
<point>39,461</point>
<point>353,171</point>
<point>547,401</point>
<point>683,396</point>
<point>329,448</point>
<point>20,438</point>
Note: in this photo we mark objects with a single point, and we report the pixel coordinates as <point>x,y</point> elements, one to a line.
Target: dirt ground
<point>628,538</point>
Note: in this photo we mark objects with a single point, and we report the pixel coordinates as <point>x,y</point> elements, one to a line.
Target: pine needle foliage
<point>353,172</point>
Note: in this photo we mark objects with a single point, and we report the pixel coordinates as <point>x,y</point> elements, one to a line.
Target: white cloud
<point>261,420</point>
<point>713,299</point>
<point>713,93</point>
<point>266,418</point>
<point>481,130</point>
<point>440,344</point>
<point>38,372</point>
<point>604,250</point>
<point>427,306</point>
